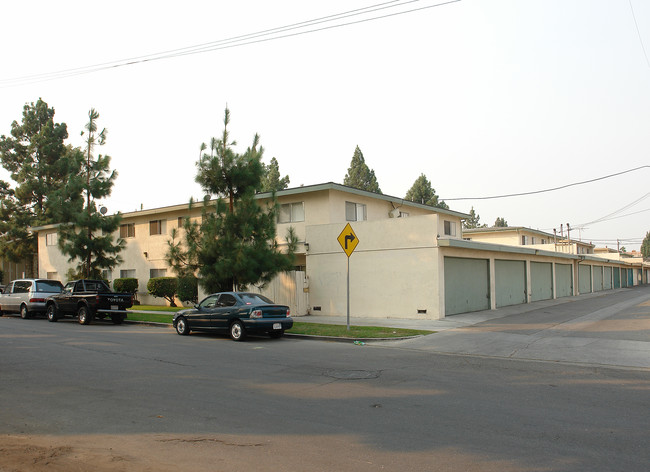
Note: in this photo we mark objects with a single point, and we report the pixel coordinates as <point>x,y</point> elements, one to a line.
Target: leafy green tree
<point>500,222</point>
<point>163,287</point>
<point>87,235</point>
<point>645,245</point>
<point>39,163</point>
<point>271,181</point>
<point>235,243</point>
<point>422,192</point>
<point>360,175</point>
<point>474,220</point>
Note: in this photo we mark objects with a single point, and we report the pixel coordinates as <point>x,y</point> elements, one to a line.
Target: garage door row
<point>467,282</point>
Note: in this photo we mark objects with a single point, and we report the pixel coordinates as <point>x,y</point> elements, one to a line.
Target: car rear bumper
<point>268,324</point>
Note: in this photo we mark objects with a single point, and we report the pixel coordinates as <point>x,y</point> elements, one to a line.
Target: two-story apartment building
<point>411,260</point>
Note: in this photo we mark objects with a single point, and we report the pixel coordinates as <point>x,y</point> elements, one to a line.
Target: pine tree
<point>360,175</point>
<point>422,192</point>
<point>271,181</point>
<point>500,222</point>
<point>474,220</point>
<point>87,235</point>
<point>235,244</point>
<point>645,246</point>
<point>38,161</point>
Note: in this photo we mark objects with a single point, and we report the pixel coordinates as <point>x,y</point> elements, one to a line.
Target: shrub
<point>163,287</point>
<point>127,285</point>
<point>188,289</point>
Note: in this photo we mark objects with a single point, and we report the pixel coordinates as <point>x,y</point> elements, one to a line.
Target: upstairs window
<point>51,239</point>
<point>524,240</point>
<point>156,227</point>
<point>450,228</point>
<point>291,212</point>
<point>127,230</point>
<point>355,211</point>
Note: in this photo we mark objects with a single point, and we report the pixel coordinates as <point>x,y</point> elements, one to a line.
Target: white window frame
<point>157,225</point>
<point>449,228</point>
<point>359,209</point>
<point>153,273</point>
<point>51,239</point>
<point>291,212</point>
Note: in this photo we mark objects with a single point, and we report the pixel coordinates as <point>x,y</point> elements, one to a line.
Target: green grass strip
<point>157,308</point>
<point>341,331</point>
<point>312,329</point>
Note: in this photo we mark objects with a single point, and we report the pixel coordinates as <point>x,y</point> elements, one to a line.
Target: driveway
<point>610,328</point>
<point>603,329</point>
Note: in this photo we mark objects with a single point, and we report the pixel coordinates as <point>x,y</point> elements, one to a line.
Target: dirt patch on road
<point>167,453</point>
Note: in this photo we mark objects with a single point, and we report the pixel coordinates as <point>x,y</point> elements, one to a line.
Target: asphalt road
<point>135,398</point>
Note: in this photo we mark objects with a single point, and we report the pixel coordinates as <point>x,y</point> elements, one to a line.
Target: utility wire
<point>612,215</point>
<point>548,189</point>
<point>236,41</point>
<point>645,54</point>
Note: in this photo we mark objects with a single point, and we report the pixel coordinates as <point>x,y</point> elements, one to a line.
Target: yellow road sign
<point>348,240</point>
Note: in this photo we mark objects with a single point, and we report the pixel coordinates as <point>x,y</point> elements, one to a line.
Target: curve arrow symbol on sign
<point>349,238</point>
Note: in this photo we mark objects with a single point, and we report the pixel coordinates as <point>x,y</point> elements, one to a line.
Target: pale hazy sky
<point>484,97</point>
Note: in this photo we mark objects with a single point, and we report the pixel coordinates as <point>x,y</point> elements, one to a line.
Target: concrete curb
<point>295,335</point>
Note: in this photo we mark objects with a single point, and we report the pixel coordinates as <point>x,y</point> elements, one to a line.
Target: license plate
<point>115,307</point>
<point>277,325</point>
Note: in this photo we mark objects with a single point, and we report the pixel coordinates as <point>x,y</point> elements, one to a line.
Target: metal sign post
<point>348,241</point>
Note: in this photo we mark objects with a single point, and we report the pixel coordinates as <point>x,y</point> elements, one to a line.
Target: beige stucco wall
<point>393,270</point>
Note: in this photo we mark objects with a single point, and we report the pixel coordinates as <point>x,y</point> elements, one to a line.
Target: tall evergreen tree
<point>500,222</point>
<point>235,244</point>
<point>360,175</point>
<point>88,237</point>
<point>474,220</point>
<point>645,245</point>
<point>38,161</point>
<point>422,192</point>
<point>271,181</point>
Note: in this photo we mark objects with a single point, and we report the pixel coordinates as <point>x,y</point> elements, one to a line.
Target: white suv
<point>27,296</point>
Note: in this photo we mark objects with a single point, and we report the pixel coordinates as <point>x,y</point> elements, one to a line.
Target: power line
<point>548,189</point>
<point>612,215</point>
<point>639,34</point>
<point>235,41</point>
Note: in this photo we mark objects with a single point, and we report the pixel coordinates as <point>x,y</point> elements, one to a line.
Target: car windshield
<point>255,299</point>
<point>52,286</point>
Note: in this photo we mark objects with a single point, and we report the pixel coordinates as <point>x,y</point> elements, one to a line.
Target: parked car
<point>89,299</point>
<point>238,313</point>
<point>28,296</point>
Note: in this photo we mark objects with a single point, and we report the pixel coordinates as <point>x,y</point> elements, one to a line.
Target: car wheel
<point>276,334</point>
<point>237,331</point>
<point>84,315</point>
<point>182,327</point>
<point>117,319</point>
<point>51,313</point>
<point>24,313</point>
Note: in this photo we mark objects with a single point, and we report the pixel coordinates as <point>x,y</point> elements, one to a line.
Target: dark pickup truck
<point>87,300</point>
